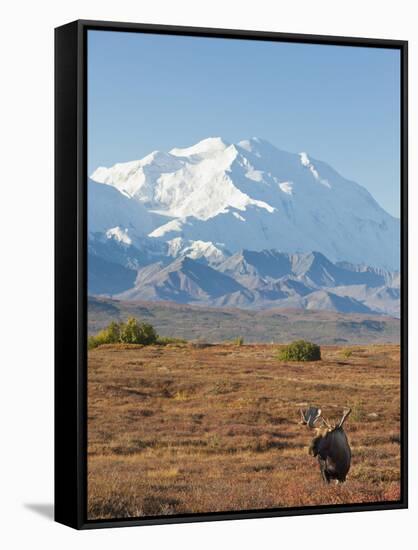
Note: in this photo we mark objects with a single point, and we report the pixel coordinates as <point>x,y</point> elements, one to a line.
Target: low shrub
<point>239,341</point>
<point>92,342</point>
<point>300,350</point>
<point>164,340</point>
<point>131,332</point>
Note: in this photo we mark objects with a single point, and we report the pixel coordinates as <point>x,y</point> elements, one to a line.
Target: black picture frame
<point>71,276</point>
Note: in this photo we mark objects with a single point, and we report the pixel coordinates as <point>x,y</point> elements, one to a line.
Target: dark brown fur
<point>333,451</point>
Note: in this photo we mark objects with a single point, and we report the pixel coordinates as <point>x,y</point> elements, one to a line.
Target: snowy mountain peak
<point>253,195</point>
<point>158,158</point>
<point>206,146</point>
<point>254,143</point>
<point>198,250</point>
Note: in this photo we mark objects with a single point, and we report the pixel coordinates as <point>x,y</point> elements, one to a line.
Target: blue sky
<point>340,104</point>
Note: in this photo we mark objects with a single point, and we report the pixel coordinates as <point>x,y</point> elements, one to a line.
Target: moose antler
<point>302,417</point>
<point>326,423</point>
<point>312,419</point>
<point>344,417</point>
<point>314,414</point>
<point>310,416</point>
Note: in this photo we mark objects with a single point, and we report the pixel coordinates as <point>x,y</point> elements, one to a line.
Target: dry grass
<point>185,429</point>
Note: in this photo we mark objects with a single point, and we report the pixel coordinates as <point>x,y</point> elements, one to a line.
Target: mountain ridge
<point>251,194</point>
<point>241,224</point>
<point>250,279</point>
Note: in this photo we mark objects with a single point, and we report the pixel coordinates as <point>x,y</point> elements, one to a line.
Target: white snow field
<point>246,195</point>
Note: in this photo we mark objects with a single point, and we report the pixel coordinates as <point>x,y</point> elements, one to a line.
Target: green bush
<point>131,332</point>
<point>112,333</point>
<point>92,342</point>
<point>300,350</point>
<point>238,341</point>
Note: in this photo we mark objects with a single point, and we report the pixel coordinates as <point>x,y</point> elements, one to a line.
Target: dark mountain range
<point>247,279</point>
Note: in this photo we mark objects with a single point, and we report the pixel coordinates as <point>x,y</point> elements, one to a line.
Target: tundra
<point>330,444</point>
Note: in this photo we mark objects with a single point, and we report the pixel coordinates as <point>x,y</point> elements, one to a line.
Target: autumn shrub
<point>239,341</point>
<point>131,332</point>
<point>300,350</point>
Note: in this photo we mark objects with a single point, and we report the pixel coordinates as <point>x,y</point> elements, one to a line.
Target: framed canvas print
<point>231,274</point>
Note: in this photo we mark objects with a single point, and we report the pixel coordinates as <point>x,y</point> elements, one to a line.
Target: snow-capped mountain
<point>248,195</point>
<point>211,253</point>
<point>242,225</point>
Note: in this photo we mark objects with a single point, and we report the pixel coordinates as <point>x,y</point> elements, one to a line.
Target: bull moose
<point>330,444</point>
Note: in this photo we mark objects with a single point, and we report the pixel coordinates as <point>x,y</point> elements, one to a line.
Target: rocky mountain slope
<point>243,225</point>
